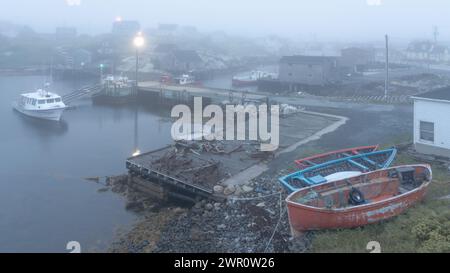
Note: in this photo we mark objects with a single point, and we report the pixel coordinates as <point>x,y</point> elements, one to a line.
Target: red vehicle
<point>358,201</point>
<point>166,79</point>
<point>322,158</point>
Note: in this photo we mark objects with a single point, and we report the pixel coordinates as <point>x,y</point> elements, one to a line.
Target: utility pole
<point>435,34</point>
<point>386,82</point>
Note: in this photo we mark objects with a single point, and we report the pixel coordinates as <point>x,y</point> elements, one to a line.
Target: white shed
<point>432,122</point>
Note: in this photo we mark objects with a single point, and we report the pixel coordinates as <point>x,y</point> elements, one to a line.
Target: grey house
<point>308,70</point>
<point>354,58</point>
<point>182,61</point>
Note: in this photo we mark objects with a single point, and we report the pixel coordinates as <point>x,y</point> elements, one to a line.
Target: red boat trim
<point>354,150</point>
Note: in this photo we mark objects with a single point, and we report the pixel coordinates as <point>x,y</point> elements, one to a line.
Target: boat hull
<point>244,83</point>
<point>113,100</point>
<point>321,158</point>
<point>47,114</point>
<point>305,218</point>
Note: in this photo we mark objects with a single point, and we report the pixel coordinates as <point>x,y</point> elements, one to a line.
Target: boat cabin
<point>184,79</point>
<point>40,99</point>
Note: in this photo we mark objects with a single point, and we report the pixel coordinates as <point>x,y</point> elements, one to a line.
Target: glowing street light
<point>138,42</point>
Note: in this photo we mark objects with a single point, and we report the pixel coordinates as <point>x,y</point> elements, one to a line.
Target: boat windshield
<point>41,102</point>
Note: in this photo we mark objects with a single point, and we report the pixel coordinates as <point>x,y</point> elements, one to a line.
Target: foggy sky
<point>336,19</point>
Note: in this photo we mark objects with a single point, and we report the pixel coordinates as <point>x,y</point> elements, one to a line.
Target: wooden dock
<point>194,168</point>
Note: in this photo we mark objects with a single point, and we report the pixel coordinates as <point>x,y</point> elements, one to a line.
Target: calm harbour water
<point>44,199</point>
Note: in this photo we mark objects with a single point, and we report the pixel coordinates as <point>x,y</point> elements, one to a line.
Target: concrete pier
<point>185,93</point>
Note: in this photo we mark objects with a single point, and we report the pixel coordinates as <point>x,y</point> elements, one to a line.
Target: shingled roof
<point>438,94</point>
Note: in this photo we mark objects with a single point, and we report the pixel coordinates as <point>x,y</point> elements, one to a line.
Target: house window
<point>427,131</point>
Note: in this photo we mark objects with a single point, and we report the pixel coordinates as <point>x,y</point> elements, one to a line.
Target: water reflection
<point>43,128</point>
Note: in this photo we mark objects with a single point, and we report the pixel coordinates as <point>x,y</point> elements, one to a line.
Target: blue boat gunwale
<point>299,174</point>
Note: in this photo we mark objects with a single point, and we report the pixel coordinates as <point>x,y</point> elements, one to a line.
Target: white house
<point>432,122</point>
<point>427,51</point>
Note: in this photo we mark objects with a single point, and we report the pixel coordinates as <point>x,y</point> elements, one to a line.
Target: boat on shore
<point>340,168</point>
<point>357,201</point>
<point>325,157</point>
<point>40,104</point>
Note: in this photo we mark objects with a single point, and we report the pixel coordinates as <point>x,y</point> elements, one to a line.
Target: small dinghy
<point>337,169</point>
<point>325,157</point>
<point>358,201</point>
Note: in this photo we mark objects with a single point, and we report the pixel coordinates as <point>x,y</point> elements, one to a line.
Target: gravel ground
<point>249,221</point>
<point>252,225</point>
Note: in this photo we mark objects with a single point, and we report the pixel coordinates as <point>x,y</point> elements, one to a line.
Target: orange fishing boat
<point>334,155</point>
<point>358,201</point>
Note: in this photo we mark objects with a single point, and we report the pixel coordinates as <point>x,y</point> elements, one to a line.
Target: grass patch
<point>422,228</point>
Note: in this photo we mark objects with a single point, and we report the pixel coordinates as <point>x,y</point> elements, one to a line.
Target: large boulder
<point>230,189</point>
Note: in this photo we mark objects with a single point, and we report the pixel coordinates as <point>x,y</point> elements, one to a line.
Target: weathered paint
<point>304,162</point>
<point>300,175</point>
<point>379,213</point>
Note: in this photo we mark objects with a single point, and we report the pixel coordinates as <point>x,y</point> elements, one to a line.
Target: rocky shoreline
<point>252,219</point>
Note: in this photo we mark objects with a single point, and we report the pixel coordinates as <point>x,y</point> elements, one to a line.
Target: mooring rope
<point>281,212</point>
<point>278,223</point>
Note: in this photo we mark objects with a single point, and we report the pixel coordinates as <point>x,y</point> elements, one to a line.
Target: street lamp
<point>138,44</point>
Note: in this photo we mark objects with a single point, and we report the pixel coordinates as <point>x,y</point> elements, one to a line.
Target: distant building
<point>181,61</point>
<point>439,53</point>
<point>427,51</point>
<point>431,122</point>
<point>74,58</point>
<point>308,70</point>
<point>355,58</point>
<point>82,58</point>
<point>65,34</point>
<point>125,29</point>
<point>162,53</point>
<point>189,29</point>
<point>165,48</point>
<point>168,27</point>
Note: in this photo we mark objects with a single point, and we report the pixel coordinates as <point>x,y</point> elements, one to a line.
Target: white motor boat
<point>40,104</point>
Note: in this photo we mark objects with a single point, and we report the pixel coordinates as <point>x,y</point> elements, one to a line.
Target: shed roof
<point>438,94</point>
